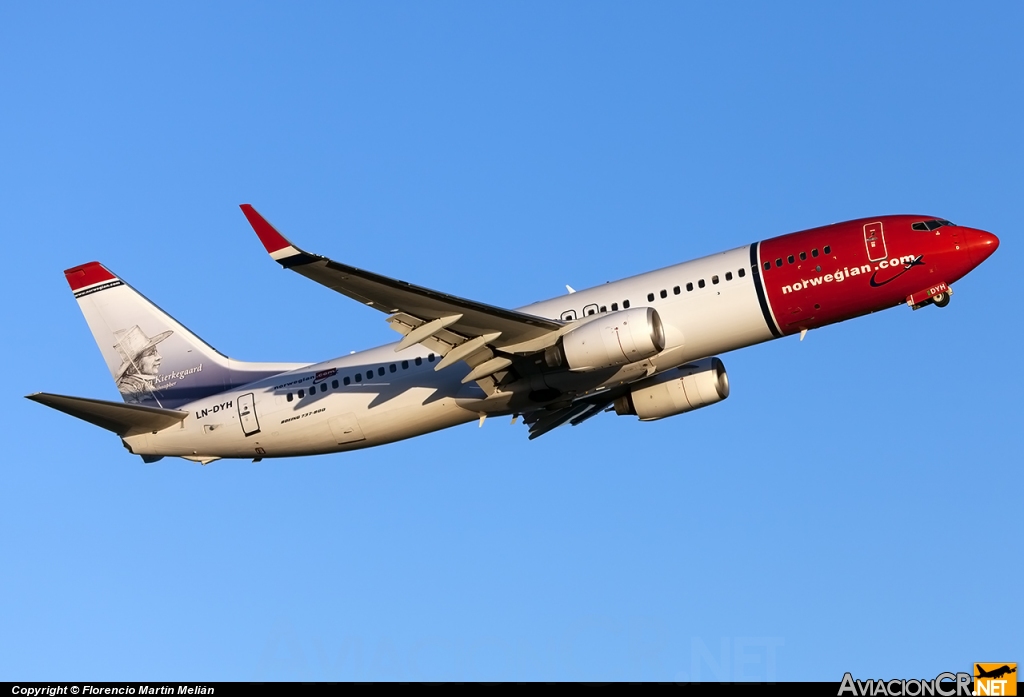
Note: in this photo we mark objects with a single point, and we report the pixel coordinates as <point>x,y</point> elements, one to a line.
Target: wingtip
<point>273,241</point>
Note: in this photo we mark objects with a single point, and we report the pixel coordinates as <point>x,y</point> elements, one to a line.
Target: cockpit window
<point>929,225</point>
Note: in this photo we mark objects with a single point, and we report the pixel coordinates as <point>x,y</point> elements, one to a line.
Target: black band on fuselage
<point>762,299</point>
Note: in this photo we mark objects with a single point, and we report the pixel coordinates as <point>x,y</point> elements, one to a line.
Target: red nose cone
<point>982,244</point>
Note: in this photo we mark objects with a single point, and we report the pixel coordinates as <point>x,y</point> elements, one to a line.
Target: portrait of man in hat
<point>140,362</point>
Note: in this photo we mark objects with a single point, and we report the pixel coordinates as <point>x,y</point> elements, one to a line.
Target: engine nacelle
<point>689,387</point>
<point>613,338</point>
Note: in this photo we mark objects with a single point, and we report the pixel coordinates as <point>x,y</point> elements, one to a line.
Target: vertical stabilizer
<point>154,359</point>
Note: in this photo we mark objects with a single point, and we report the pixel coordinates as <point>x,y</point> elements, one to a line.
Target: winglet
<point>275,243</point>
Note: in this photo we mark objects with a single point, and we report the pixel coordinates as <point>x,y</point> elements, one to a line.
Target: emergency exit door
<point>247,414</point>
<point>874,241</point>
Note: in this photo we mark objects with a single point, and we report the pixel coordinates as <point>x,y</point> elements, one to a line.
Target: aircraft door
<point>874,241</point>
<point>247,414</point>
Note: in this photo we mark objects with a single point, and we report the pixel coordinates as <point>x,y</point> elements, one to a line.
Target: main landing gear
<point>941,300</point>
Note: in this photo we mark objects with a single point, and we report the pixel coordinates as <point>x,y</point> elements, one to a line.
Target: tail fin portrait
<point>154,360</point>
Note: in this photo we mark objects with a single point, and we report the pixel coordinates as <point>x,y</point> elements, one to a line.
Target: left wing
<point>456,328</point>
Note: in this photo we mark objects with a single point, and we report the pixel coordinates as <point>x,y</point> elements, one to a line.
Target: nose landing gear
<point>937,295</point>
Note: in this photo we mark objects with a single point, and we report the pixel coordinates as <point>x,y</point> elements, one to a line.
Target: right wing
<point>456,328</point>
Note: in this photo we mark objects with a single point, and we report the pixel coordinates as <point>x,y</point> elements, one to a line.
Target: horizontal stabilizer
<point>122,419</point>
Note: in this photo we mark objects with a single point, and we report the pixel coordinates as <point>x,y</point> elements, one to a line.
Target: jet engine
<point>613,338</point>
<point>678,391</point>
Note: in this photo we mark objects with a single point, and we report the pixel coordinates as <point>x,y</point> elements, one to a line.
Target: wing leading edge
<point>472,331</point>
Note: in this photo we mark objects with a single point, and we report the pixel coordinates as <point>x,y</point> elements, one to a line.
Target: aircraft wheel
<point>941,300</point>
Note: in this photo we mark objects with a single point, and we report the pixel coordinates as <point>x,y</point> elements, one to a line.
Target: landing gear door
<point>247,414</point>
<point>874,241</point>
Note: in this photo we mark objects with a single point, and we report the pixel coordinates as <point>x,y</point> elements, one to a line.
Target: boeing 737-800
<point>644,346</point>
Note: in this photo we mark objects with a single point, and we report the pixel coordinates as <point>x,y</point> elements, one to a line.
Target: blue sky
<point>849,508</point>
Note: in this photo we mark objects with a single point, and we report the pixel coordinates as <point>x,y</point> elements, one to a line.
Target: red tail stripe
<point>87,274</point>
<point>271,238</point>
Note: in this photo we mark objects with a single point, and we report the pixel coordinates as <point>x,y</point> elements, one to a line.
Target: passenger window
<point>767,265</point>
<point>790,259</point>
<point>590,310</point>
<point>380,371</point>
<point>827,250</point>
<point>419,361</point>
<point>778,262</point>
<point>664,294</point>
<point>302,393</point>
<point>650,297</point>
<point>625,304</point>
<point>689,287</point>
<point>289,397</point>
<point>728,275</point>
<point>430,358</point>
<point>615,307</point>
<point>405,365</point>
<point>714,279</point>
<point>803,256</point>
<point>393,368</point>
<point>604,308</point>
<point>568,316</point>
<point>369,374</point>
<point>359,377</point>
<point>814,252</point>
<point>742,273</point>
<point>347,381</point>
<point>700,283</point>
<point>334,384</point>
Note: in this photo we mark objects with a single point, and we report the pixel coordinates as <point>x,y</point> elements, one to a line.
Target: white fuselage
<point>269,418</point>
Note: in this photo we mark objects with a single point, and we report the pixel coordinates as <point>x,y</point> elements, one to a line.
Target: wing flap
<point>545,420</point>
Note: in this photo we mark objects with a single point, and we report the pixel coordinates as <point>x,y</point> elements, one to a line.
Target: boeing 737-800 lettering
<point>644,346</point>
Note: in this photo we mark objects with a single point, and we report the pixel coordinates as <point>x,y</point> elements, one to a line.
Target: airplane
<point>645,346</point>
<point>996,672</point>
